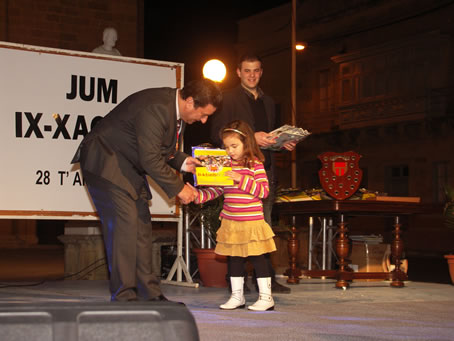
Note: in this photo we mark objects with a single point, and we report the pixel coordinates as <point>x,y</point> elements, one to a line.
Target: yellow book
<point>295,196</point>
<point>398,199</point>
<point>215,162</point>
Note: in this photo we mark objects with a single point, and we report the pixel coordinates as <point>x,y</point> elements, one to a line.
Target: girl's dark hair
<point>204,92</point>
<point>243,131</point>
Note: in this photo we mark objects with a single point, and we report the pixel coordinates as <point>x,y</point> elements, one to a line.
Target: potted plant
<point>212,267</point>
<point>448,218</point>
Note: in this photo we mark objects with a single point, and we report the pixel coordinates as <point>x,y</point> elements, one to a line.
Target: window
<point>350,80</point>
<point>396,180</point>
<point>310,174</point>
<point>441,178</point>
<point>365,178</point>
<point>324,90</point>
<point>386,74</point>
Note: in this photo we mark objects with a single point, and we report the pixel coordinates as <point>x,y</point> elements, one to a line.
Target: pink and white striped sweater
<point>242,200</point>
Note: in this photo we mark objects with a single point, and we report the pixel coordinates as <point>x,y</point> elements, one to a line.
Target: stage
<point>315,310</point>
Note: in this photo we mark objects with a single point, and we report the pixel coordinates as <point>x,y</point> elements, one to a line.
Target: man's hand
<point>187,194</point>
<point>189,164</point>
<point>289,145</point>
<point>264,139</point>
<point>194,190</point>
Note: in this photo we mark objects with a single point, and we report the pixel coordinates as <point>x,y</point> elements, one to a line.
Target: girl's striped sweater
<point>242,200</point>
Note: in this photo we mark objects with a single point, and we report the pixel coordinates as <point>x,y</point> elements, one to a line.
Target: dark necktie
<point>178,133</point>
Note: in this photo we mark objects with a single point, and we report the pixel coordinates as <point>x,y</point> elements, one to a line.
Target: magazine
<point>285,134</point>
<point>215,162</point>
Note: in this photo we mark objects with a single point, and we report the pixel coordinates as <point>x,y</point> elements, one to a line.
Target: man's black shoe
<point>279,288</point>
<point>160,298</point>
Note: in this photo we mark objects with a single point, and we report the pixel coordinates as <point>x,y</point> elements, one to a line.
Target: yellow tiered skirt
<point>244,238</point>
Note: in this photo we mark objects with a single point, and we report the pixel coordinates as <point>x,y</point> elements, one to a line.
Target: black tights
<point>236,266</point>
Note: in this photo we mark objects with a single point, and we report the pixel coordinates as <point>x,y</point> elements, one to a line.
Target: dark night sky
<point>192,32</point>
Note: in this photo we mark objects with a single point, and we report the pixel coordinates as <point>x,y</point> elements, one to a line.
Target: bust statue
<point>109,38</point>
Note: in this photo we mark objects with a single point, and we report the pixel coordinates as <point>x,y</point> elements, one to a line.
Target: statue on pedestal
<point>109,38</point>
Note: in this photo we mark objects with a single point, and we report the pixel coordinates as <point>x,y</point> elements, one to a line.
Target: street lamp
<point>215,70</point>
<point>300,46</point>
<point>296,46</point>
<point>293,89</point>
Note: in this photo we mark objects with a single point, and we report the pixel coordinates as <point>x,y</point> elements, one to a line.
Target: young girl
<point>243,234</point>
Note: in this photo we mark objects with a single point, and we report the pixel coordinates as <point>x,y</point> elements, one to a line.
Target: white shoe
<point>237,299</point>
<point>265,301</point>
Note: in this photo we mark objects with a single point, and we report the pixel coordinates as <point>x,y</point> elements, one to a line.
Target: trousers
<point>126,227</point>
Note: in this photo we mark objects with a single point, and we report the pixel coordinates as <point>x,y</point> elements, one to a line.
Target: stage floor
<point>315,310</point>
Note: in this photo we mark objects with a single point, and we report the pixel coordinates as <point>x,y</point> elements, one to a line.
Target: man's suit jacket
<point>137,137</point>
<point>235,106</point>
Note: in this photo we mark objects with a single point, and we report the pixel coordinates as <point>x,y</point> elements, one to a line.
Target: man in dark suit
<point>138,138</point>
<point>249,103</point>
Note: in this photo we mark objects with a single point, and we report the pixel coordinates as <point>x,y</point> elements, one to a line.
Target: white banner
<point>49,99</point>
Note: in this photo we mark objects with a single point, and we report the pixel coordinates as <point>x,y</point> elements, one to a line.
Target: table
<point>342,209</point>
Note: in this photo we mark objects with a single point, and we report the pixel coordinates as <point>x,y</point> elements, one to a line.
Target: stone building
<point>376,78</point>
<point>74,25</point>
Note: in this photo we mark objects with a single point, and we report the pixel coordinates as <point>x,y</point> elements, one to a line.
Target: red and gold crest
<point>340,175</point>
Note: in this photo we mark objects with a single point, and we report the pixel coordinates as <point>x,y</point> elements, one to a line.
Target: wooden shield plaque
<point>340,175</point>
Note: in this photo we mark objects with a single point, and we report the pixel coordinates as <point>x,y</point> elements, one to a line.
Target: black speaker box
<point>80,321</point>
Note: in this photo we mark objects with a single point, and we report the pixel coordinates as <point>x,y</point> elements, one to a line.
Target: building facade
<point>376,78</point>
<point>72,25</point>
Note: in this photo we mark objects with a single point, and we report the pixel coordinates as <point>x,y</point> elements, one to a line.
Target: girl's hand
<point>234,176</point>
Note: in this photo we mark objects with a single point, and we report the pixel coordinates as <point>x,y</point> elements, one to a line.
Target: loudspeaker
<point>80,321</point>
